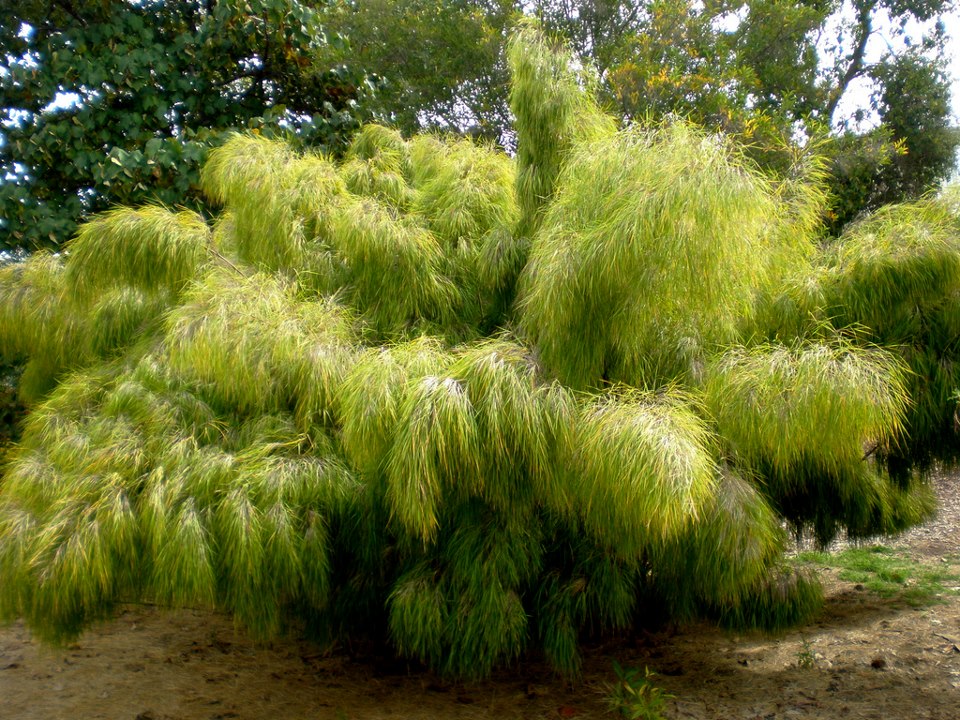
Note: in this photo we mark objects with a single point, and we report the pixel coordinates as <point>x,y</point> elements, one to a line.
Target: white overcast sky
<point>881,43</point>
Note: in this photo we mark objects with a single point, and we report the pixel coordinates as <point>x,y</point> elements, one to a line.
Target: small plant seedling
<point>806,658</point>
<point>635,696</point>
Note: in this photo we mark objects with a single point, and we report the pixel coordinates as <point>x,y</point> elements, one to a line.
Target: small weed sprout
<point>635,696</point>
<point>806,659</point>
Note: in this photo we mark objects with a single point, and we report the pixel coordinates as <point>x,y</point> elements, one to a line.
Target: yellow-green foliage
<point>346,229</point>
<point>524,426</point>
<point>643,468</point>
<point>779,407</point>
<point>805,419</point>
<point>378,165</point>
<point>743,534</point>
<point>649,265</point>
<point>33,300</point>
<point>115,280</point>
<point>148,248</point>
<point>552,115</point>
<point>329,408</point>
<point>43,318</point>
<point>258,348</point>
<point>124,502</point>
<point>393,266</point>
<point>892,279</point>
<point>266,191</point>
<point>891,266</point>
<point>467,193</point>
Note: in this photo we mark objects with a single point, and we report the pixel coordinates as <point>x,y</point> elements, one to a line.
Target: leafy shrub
<point>469,404</point>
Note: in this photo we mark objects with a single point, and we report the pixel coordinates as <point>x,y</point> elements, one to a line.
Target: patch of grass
<point>890,574</point>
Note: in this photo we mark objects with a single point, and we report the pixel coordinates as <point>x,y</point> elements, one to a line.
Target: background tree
<point>115,102</point>
<point>461,402</point>
<point>752,78</point>
<point>754,69</point>
<point>910,152</point>
<point>764,71</point>
<point>442,60</point>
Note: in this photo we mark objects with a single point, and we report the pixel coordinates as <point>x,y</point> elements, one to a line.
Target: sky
<point>881,42</point>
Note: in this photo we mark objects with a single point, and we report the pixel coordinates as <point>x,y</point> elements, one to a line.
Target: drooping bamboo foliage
<point>897,275</point>
<point>148,248</point>
<point>378,165</point>
<point>743,530</point>
<point>684,224</point>
<point>147,491</point>
<point>326,410</point>
<point>643,469</point>
<point>255,347</point>
<point>892,280</point>
<point>394,266</point>
<point>348,229</point>
<point>252,178</point>
<point>121,273</point>
<point>777,406</point>
<point>33,300</point>
<point>552,114</point>
<point>804,419</point>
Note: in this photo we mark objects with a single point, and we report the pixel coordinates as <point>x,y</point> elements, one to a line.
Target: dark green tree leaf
<point>115,102</point>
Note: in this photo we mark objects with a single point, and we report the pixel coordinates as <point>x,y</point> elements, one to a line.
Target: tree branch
<point>855,68</point>
<point>67,7</point>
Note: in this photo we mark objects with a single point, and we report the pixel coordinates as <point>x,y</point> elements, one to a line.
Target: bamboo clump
<point>461,403</point>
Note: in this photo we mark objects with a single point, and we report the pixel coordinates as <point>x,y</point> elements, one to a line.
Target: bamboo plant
<point>465,404</point>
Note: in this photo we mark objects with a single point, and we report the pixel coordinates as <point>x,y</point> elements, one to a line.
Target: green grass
<point>890,574</point>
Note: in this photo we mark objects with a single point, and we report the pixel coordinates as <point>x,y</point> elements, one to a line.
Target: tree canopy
<point>442,60</point>
<point>470,404</point>
<point>765,72</point>
<point>110,103</point>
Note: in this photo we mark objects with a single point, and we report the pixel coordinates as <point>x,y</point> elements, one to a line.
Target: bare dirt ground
<point>865,657</point>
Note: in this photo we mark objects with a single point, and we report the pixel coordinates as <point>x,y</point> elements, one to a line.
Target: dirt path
<point>866,657</point>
